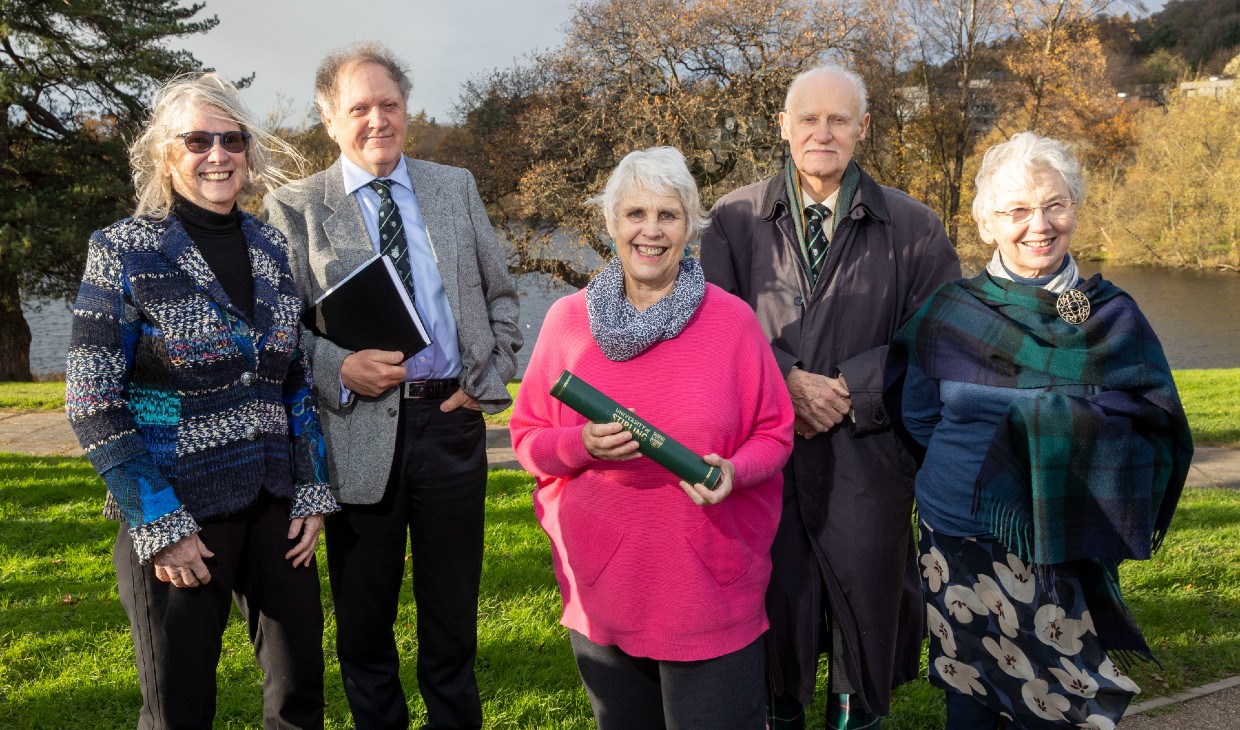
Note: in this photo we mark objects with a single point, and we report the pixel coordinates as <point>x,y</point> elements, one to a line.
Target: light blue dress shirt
<point>443,358</point>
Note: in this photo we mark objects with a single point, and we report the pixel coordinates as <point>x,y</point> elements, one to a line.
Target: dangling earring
<point>688,249</point>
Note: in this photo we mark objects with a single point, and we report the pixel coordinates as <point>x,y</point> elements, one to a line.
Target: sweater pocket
<point>720,546</point>
<point>590,541</point>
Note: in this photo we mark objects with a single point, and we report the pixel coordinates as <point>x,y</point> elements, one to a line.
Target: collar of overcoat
<point>868,200</point>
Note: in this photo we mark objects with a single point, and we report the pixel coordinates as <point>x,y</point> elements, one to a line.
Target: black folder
<point>369,309</point>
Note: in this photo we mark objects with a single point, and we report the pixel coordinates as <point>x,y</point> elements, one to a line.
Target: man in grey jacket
<point>405,438</point>
<point>833,263</point>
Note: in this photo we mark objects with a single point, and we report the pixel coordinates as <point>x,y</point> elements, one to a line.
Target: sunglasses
<point>199,141</point>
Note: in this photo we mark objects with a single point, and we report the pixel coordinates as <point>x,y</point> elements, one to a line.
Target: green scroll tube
<point>661,448</point>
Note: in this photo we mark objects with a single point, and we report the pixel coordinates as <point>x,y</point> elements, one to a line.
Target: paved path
<point>1213,707</point>
<point>47,433</point>
<point>44,433</point>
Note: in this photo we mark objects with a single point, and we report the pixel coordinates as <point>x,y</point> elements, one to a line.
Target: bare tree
<point>707,76</point>
<point>954,70</point>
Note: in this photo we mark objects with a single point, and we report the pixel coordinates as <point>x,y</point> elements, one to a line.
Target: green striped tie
<point>816,217</point>
<point>392,232</point>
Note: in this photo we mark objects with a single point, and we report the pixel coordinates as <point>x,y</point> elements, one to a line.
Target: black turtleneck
<point>220,241</point>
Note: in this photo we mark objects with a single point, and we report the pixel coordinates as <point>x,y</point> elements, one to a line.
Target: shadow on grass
<point>111,706</point>
<point>1221,437</point>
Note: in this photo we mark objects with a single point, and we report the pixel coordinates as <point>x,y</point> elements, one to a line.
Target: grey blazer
<point>327,240</point>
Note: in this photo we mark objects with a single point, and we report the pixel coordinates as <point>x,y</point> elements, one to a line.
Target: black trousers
<point>177,631</point>
<point>628,692</point>
<point>435,500</point>
<point>966,713</point>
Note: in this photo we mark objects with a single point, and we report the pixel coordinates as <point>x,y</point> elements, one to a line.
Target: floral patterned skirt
<point>997,636</point>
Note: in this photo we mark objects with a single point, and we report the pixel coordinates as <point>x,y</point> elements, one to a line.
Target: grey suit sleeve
<point>325,357</point>
<point>489,385</point>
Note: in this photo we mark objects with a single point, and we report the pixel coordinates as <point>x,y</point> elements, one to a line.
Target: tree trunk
<point>14,333</point>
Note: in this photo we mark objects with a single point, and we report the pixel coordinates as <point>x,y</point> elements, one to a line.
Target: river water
<point>50,322</point>
<point>1196,314</point>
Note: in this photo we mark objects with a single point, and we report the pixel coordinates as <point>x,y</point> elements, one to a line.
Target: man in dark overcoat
<point>833,263</point>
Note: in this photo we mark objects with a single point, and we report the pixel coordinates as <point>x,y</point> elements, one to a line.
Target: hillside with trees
<point>947,78</point>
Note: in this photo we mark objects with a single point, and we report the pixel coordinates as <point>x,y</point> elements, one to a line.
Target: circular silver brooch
<point>1073,306</point>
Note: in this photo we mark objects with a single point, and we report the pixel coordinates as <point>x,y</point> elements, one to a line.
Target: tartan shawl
<point>1065,477</point>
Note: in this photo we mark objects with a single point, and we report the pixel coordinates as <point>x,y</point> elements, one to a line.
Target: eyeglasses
<point>198,141</point>
<point>1054,210</point>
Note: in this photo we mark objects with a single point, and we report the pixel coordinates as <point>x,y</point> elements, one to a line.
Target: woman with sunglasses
<point>1055,447</point>
<point>188,392</point>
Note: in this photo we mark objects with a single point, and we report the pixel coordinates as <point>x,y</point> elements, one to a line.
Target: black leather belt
<point>429,389</point>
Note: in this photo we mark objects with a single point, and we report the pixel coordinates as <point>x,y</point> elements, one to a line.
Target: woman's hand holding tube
<point>703,496</point>
<point>609,441</point>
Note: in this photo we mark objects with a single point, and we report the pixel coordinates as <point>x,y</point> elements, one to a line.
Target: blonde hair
<point>151,153</point>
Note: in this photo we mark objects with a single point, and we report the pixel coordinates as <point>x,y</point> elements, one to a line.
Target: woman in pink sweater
<point>662,581</point>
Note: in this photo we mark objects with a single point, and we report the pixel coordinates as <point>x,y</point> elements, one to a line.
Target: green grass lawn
<point>48,396</point>
<point>66,659</point>
<point>1212,400</point>
<point>65,653</point>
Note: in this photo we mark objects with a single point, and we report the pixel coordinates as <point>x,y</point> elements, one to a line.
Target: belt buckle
<point>424,389</point>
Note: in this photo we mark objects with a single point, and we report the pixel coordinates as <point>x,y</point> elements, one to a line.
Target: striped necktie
<point>816,217</point>
<point>392,232</point>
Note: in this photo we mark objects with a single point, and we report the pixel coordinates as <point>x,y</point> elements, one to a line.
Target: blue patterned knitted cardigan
<point>184,409</point>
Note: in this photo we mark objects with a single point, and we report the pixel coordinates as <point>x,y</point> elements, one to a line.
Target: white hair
<point>834,69</point>
<point>662,171</point>
<point>1025,153</point>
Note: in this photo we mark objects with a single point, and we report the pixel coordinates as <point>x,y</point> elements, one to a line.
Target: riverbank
<point>1195,313</point>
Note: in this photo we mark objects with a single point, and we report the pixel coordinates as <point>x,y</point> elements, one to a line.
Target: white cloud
<point>444,43</point>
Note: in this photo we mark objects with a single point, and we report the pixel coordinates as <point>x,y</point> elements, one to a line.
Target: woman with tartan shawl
<point>1056,446</point>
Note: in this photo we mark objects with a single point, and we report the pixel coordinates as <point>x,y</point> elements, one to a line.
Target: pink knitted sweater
<point>639,565</point>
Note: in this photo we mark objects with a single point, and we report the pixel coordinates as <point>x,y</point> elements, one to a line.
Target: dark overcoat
<point>848,493</point>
